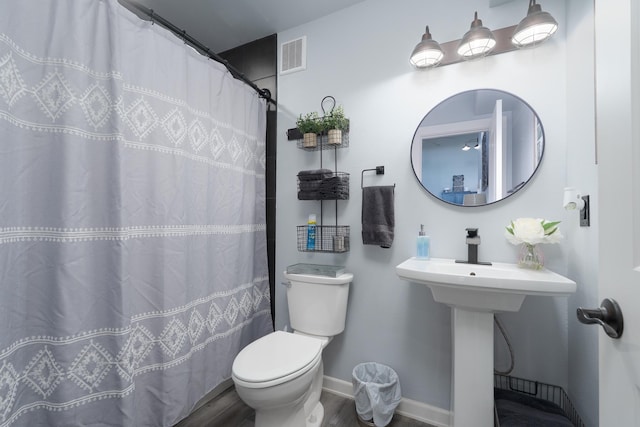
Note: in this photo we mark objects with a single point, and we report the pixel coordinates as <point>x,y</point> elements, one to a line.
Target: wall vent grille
<point>293,55</point>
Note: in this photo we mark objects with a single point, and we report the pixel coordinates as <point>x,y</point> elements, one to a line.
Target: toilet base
<point>282,417</point>
<point>316,416</point>
<point>288,418</point>
<point>295,403</point>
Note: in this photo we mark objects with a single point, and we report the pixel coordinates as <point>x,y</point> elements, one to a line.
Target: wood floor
<point>227,410</point>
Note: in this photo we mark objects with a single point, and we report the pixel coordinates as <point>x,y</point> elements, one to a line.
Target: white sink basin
<point>498,287</point>
<point>475,292</point>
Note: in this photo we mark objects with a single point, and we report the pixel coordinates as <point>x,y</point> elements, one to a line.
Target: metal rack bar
<point>335,168</point>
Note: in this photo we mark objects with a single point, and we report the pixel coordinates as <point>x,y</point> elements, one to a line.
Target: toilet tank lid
<point>275,355</point>
<point>321,280</point>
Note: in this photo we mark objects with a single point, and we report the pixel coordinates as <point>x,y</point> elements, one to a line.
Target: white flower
<point>533,231</point>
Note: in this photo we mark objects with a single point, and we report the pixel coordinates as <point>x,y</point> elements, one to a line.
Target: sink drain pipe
<point>506,340</point>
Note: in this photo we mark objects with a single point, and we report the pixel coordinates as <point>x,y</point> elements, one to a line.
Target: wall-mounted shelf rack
<point>323,185</point>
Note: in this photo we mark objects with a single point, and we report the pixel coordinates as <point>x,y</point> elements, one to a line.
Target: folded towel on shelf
<point>333,183</point>
<point>310,185</point>
<point>335,188</point>
<point>334,195</point>
<point>309,195</point>
<point>322,195</point>
<point>378,218</point>
<point>314,174</point>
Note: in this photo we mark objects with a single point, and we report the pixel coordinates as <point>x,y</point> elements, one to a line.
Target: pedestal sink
<point>475,293</point>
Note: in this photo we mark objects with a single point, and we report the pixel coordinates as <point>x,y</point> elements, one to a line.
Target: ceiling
<point>224,24</point>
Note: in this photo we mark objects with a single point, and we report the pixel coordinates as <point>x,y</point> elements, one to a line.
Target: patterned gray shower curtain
<point>132,218</point>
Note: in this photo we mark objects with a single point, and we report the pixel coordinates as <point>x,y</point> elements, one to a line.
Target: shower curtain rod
<point>264,93</point>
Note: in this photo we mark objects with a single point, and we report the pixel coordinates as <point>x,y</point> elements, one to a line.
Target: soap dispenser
<point>423,244</point>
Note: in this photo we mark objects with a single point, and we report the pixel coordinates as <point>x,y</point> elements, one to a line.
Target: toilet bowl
<point>280,375</point>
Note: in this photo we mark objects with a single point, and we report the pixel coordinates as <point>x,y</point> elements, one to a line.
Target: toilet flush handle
<point>287,284</point>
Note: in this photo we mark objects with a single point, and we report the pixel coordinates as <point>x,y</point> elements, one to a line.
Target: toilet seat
<point>275,359</point>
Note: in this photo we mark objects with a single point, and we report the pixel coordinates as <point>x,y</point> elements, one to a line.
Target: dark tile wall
<point>258,62</point>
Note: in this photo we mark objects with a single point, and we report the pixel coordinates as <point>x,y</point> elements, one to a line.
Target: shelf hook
<point>333,104</point>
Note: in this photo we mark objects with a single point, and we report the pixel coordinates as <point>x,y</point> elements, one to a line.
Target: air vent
<point>293,55</point>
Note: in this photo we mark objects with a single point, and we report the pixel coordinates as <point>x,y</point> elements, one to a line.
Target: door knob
<point>608,315</point>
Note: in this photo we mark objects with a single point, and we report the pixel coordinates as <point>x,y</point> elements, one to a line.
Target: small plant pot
<point>335,136</point>
<point>309,140</point>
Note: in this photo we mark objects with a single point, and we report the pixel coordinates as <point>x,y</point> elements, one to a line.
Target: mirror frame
<point>521,186</point>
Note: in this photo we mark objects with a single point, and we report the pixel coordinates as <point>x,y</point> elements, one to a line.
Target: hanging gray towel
<point>378,219</point>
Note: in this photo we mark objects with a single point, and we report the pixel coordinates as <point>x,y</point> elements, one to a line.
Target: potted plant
<point>310,126</point>
<point>334,123</point>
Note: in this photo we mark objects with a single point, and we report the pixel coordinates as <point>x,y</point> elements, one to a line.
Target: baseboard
<point>409,408</point>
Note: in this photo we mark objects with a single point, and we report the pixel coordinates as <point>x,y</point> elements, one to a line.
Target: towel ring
<point>379,171</point>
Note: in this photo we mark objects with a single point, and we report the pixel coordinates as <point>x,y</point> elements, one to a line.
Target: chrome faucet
<point>473,241</point>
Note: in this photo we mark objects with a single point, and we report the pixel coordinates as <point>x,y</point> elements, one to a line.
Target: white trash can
<point>376,390</point>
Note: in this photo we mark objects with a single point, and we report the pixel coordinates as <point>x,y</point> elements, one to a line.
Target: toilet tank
<point>318,304</point>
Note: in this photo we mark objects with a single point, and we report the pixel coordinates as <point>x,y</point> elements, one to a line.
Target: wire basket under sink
<point>537,390</point>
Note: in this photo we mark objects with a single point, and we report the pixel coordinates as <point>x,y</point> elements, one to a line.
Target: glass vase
<point>530,256</point>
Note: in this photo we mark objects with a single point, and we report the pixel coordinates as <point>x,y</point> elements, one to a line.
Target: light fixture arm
<point>534,7</point>
<point>476,22</point>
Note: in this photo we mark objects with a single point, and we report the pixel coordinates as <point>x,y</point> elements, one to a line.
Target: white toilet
<point>280,375</point>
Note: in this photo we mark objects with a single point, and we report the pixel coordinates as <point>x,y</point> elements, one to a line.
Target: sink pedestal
<point>474,293</point>
<point>472,385</point>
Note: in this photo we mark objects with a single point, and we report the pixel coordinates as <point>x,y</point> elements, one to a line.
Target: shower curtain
<point>132,218</point>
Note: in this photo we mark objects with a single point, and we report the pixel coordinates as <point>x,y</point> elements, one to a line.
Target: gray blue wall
<point>360,56</point>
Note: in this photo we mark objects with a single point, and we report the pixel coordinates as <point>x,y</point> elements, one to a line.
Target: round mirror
<point>477,147</point>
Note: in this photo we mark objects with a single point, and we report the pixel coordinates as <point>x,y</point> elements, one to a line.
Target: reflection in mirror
<point>477,147</point>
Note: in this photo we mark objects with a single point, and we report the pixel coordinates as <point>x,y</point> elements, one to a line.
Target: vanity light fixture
<point>535,28</point>
<point>573,200</point>
<point>469,144</point>
<point>480,41</point>
<point>476,42</point>
<point>427,53</point>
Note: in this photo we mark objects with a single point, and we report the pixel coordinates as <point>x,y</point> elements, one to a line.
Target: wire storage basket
<point>329,238</point>
<point>544,397</point>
